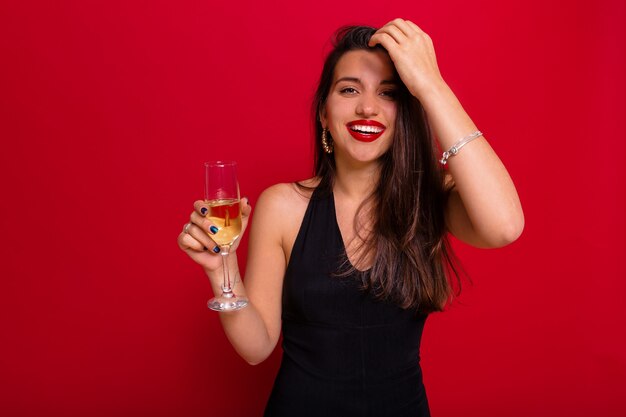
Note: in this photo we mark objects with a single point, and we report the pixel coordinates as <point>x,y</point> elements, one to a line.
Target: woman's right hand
<point>195,239</point>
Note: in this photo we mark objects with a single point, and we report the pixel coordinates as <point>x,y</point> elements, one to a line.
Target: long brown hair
<point>412,254</point>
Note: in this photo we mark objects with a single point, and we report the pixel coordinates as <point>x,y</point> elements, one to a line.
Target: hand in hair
<point>412,53</point>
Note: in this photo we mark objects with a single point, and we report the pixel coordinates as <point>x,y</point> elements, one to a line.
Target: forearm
<point>245,328</point>
<point>483,183</point>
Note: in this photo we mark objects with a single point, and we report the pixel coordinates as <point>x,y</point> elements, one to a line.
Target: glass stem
<point>227,290</point>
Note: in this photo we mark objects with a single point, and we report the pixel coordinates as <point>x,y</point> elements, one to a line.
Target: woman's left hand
<point>412,53</point>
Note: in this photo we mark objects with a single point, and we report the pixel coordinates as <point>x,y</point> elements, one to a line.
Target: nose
<point>367,105</point>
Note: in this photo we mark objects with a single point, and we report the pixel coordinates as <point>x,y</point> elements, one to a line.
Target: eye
<point>392,94</point>
<point>348,90</point>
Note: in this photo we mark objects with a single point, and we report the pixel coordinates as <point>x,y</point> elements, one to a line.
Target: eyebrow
<point>358,80</point>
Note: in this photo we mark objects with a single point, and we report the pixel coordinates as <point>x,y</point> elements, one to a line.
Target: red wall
<point>109,108</point>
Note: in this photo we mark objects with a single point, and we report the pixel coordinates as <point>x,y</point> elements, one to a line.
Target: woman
<point>350,262</point>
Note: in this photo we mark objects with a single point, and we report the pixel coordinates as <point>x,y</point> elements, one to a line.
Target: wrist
<point>232,264</point>
<point>432,91</point>
<point>446,115</point>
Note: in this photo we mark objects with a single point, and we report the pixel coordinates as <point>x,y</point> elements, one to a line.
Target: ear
<point>322,116</point>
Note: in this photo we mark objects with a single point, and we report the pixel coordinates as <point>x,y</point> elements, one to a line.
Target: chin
<point>370,156</point>
<point>366,159</point>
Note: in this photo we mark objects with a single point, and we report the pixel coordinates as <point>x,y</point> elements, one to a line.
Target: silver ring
<point>186,228</point>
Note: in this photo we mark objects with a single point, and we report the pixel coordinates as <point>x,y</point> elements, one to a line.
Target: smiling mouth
<point>365,130</point>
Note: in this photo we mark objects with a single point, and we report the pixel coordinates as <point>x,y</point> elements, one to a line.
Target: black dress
<point>344,353</point>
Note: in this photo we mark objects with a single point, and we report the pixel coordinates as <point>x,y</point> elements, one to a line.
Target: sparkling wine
<point>225,214</point>
<point>221,194</point>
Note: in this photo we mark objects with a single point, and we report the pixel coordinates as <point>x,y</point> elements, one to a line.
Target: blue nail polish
<point>203,210</point>
<point>213,229</point>
<point>216,249</point>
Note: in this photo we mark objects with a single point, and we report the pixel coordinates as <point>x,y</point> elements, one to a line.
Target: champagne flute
<point>221,193</point>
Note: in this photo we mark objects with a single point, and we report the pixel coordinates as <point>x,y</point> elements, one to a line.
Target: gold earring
<point>328,147</point>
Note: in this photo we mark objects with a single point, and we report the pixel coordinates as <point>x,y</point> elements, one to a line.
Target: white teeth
<point>366,129</point>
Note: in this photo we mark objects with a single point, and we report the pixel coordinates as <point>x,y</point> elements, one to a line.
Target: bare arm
<point>484,209</point>
<point>254,330</point>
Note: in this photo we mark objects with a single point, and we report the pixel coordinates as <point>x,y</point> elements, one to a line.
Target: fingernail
<point>213,229</point>
<point>203,210</point>
<point>216,249</point>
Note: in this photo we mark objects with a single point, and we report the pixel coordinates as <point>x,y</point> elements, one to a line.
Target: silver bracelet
<point>457,146</point>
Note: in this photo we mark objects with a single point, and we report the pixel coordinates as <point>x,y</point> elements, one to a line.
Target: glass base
<point>225,303</point>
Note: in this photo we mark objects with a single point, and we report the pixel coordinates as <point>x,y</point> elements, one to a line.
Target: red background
<point>109,108</point>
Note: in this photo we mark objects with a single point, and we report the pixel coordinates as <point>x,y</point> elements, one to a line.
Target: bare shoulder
<point>281,207</point>
<point>282,199</point>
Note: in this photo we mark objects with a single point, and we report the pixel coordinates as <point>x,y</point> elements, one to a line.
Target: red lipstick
<point>365,130</point>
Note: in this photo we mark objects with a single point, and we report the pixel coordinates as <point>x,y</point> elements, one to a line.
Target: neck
<point>356,181</point>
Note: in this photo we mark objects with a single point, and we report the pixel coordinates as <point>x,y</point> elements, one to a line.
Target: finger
<point>201,207</point>
<point>245,207</point>
<point>415,27</point>
<point>394,32</point>
<point>187,242</point>
<point>382,38</point>
<point>402,24</point>
<point>204,240</point>
<point>207,226</point>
